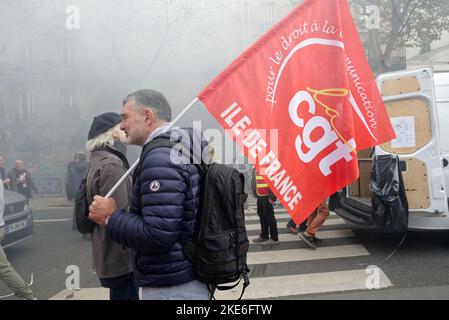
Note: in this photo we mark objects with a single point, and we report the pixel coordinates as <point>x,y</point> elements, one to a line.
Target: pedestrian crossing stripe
<point>291,255</point>
<point>331,234</point>
<point>277,216</point>
<point>301,284</point>
<point>268,287</point>
<point>253,210</point>
<point>329,222</point>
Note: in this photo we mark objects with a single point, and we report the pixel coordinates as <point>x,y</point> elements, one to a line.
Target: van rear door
<point>409,97</point>
<point>442,100</point>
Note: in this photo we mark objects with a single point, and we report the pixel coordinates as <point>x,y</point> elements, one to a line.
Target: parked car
<point>18,219</point>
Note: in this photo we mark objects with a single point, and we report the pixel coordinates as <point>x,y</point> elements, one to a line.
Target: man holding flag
<point>164,203</point>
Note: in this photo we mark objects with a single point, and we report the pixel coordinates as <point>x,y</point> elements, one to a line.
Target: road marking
<point>52,220</point>
<point>329,222</point>
<point>277,216</point>
<point>291,285</point>
<point>332,252</point>
<point>256,218</point>
<point>331,234</point>
<point>254,210</point>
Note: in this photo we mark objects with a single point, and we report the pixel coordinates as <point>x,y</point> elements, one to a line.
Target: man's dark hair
<point>151,99</point>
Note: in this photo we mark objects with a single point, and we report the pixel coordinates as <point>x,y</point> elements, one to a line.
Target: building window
<point>68,99</point>
<point>25,108</point>
<point>25,8</point>
<point>26,56</point>
<point>67,53</point>
<point>268,13</point>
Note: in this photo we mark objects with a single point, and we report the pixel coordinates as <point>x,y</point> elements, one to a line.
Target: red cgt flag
<point>300,102</point>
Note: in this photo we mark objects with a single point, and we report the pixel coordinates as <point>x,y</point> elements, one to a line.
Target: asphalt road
<point>47,255</point>
<point>419,268</point>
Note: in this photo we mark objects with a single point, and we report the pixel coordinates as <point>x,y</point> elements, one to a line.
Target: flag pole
<point>131,169</point>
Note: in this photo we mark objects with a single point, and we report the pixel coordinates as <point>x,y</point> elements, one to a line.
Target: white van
<point>417,103</point>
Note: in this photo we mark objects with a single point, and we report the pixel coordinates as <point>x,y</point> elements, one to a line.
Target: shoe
<point>308,240</point>
<point>260,240</point>
<point>317,240</point>
<point>292,230</point>
<point>270,242</point>
<point>292,227</point>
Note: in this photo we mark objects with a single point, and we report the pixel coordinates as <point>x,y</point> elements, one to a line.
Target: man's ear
<point>149,115</point>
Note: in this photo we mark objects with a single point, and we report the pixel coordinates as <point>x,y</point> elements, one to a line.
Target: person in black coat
<point>75,174</point>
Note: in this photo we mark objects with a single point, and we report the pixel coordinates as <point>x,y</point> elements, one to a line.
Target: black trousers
<point>121,287</point>
<point>268,223</point>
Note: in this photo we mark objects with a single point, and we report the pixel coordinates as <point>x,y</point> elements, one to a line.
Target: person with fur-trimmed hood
<point>164,203</point>
<point>111,261</point>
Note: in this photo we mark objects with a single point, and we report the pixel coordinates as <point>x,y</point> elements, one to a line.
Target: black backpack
<point>218,249</point>
<point>81,209</point>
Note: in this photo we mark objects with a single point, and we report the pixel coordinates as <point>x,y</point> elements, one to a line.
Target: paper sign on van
<point>405,132</point>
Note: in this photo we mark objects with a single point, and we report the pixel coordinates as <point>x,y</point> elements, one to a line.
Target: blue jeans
<point>193,290</point>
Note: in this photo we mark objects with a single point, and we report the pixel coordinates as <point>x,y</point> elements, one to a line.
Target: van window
<point>443,123</point>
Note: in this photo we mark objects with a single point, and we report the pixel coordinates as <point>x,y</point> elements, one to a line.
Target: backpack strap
<point>93,167</point>
<point>157,142</point>
<point>221,288</point>
<point>120,155</point>
<point>164,141</point>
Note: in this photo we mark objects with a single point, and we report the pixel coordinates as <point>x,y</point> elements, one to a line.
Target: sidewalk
<point>82,294</point>
<point>416,293</point>
<point>53,202</point>
<point>420,293</point>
